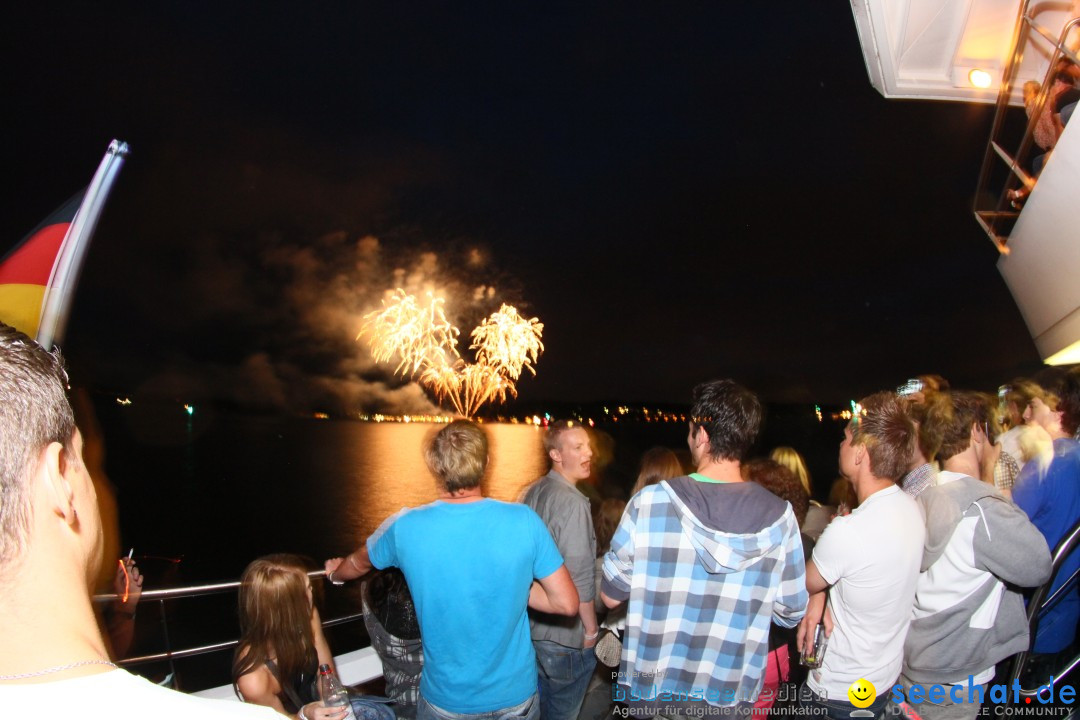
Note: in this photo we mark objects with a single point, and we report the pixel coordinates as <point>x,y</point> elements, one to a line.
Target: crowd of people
<point>701,590</point>
<point>710,583</point>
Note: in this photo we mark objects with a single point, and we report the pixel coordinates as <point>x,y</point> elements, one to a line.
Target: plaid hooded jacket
<point>701,600</point>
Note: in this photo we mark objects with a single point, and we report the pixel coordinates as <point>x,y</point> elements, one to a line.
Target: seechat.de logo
<point>972,692</point>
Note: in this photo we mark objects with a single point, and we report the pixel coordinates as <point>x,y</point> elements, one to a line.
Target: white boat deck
<point>358,666</point>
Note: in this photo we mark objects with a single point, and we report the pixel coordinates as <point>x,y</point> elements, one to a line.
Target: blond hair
<point>457,456</point>
<point>793,461</point>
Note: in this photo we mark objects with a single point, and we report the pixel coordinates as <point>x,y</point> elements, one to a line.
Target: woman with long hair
<point>281,640</point>
<point>817,515</point>
<point>791,459</point>
<point>658,463</point>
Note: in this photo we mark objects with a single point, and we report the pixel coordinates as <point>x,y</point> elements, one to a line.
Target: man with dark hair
<point>470,563</point>
<point>706,563</point>
<point>870,560</point>
<point>564,645</point>
<point>1050,495</point>
<point>51,652</point>
<point>967,614</point>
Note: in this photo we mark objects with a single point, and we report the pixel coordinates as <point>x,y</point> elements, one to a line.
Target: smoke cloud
<point>298,307</point>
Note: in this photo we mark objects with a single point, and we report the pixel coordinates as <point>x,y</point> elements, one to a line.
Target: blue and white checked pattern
<point>918,479</point>
<point>701,601</point>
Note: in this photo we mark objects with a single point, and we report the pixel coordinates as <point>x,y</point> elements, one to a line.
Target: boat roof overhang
<point>928,49</point>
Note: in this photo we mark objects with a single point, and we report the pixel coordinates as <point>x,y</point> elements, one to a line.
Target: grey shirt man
<point>565,510</point>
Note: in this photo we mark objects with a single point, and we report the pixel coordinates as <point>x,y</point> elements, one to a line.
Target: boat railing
<point>164,595</point>
<point>1041,601</point>
<point>997,216</point>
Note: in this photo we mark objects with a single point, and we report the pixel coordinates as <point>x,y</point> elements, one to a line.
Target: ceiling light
<point>979,78</point>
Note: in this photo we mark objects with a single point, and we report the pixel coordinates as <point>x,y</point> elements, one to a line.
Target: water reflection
<point>382,466</point>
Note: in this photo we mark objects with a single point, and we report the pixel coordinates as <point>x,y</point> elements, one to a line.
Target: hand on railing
<point>128,587</point>
<point>121,613</point>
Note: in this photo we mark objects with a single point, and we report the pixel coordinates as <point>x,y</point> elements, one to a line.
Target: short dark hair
<point>458,455</point>
<point>966,409</point>
<point>34,412</point>
<point>730,415</point>
<point>781,482</point>
<point>884,429</point>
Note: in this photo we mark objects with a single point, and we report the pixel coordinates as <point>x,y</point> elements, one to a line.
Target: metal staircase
<point>992,205</point>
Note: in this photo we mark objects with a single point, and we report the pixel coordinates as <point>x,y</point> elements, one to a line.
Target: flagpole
<point>56,306</point>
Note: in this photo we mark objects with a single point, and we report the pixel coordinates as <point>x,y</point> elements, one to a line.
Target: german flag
<point>38,277</point>
<point>25,271</point>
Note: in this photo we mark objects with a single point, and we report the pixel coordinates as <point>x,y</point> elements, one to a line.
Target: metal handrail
<point>1040,100</point>
<point>1039,602</point>
<point>1060,42</point>
<point>205,649</point>
<point>191,591</point>
<point>988,219</point>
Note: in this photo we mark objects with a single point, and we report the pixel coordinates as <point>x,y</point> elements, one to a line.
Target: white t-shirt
<point>116,695</point>
<point>871,558</point>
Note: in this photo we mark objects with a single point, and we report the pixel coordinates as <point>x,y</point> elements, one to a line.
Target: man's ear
<point>555,455</point>
<point>54,465</point>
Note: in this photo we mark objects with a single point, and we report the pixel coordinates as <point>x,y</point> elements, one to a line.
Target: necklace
<point>58,668</point>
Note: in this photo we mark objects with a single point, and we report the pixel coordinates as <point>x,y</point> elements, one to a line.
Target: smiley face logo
<point>862,693</point>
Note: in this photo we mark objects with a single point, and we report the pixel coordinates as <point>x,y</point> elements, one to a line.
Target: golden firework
<point>426,344</point>
<point>508,342</point>
<point>413,332</point>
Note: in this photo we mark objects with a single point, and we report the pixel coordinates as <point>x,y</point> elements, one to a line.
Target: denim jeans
<point>564,676</point>
<point>365,708</point>
<point>840,709</point>
<point>528,710</point>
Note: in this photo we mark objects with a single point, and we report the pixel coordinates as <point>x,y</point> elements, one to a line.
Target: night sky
<point>678,190</point>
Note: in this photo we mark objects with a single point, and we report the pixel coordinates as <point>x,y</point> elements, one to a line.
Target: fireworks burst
<point>425,343</point>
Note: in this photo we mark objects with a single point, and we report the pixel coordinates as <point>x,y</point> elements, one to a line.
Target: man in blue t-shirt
<point>471,563</point>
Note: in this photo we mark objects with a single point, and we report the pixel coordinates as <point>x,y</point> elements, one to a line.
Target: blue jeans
<point>564,676</point>
<point>528,710</point>
<point>366,708</point>
<point>840,709</point>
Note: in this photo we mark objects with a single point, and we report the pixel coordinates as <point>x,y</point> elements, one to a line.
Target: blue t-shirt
<point>469,567</point>
<point>1052,503</point>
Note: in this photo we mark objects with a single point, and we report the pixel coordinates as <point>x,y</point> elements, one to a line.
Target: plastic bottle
<point>332,692</point>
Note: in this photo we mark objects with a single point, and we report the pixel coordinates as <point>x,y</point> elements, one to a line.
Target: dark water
<point>251,486</point>
<point>216,490</point>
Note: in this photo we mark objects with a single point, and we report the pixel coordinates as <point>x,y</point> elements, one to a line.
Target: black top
<point>298,693</point>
